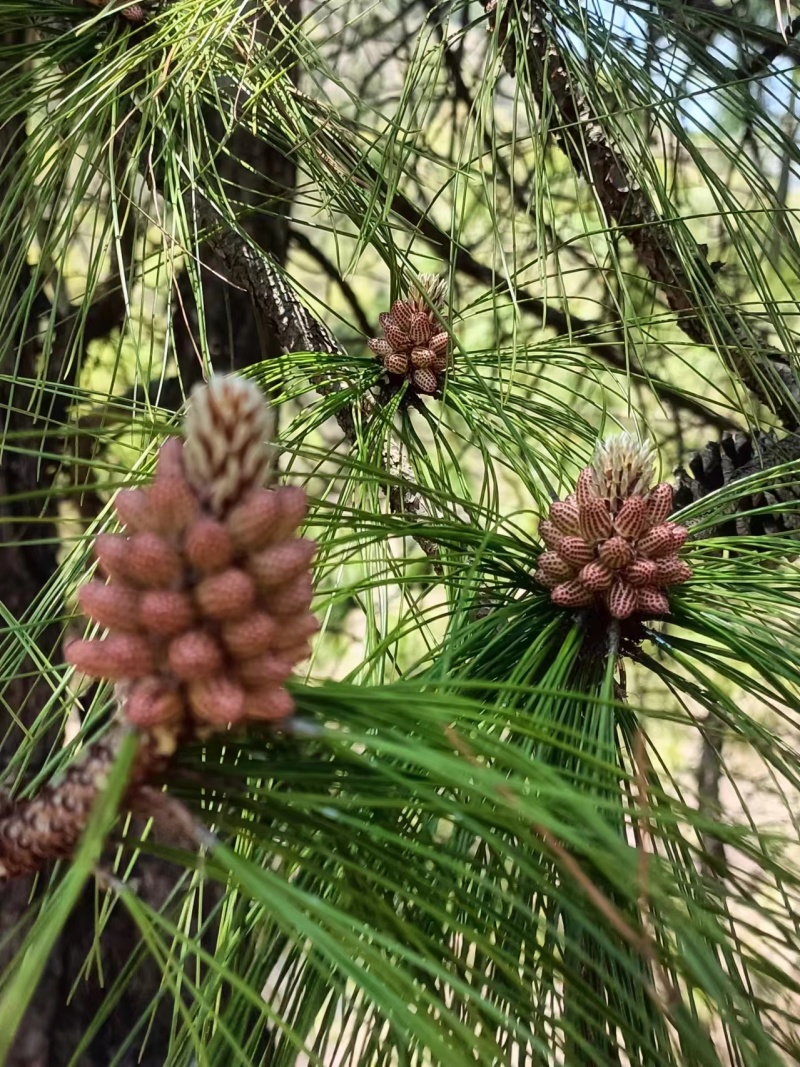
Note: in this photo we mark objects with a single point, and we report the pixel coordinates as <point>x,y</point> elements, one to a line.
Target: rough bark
<point>259,181</point>
<point>238,333</point>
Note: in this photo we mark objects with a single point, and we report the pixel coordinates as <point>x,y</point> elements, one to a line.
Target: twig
<point>709,774</point>
<point>171,818</point>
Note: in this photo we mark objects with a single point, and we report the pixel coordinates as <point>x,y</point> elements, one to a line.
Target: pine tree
<point>399,646</point>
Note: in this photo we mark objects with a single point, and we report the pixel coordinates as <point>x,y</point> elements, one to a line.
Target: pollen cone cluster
<point>414,345</point>
<point>206,593</point>
<point>609,542</point>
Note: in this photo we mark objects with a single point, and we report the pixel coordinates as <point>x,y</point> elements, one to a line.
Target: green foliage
<point>480,845</point>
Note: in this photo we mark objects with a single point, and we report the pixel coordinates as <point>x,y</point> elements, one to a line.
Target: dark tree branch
<point>774,50</point>
<point>329,267</point>
<point>709,775</point>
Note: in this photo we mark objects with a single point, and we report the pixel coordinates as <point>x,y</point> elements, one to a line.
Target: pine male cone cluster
<point>414,345</point>
<point>206,593</point>
<point>206,604</point>
<point>609,542</point>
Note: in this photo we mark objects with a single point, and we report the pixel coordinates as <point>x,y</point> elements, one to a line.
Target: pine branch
<point>593,335</point>
<point>690,290</point>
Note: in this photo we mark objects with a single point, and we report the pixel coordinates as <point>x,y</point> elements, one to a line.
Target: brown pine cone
<point>736,456</point>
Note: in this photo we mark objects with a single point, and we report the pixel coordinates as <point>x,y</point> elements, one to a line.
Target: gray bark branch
<point>672,259</point>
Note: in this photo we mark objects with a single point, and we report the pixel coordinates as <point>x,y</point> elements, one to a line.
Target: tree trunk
<point>262,182</point>
<point>64,1006</point>
<point>27,561</point>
